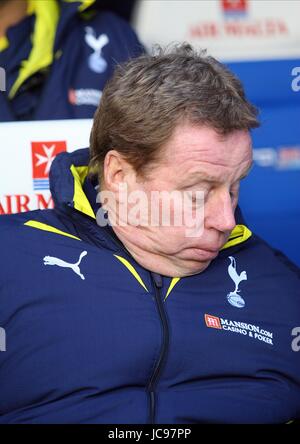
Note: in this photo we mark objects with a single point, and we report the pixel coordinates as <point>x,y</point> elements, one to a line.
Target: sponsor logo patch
<point>212,321</point>
<point>243,328</point>
<point>82,96</point>
<point>234,7</point>
<point>43,154</point>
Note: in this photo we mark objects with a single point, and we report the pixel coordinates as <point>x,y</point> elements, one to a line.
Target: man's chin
<point>190,268</point>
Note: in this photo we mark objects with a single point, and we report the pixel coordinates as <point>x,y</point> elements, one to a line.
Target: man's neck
<point>11,13</point>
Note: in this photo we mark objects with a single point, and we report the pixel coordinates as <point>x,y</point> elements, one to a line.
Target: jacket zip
<point>157,281</point>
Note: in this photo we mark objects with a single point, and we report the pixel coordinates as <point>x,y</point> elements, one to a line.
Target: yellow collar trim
<point>41,56</point>
<point>84,3</point>
<point>46,227</point>
<point>4,43</point>
<point>81,202</point>
<point>132,270</point>
<point>172,285</point>
<point>238,235</point>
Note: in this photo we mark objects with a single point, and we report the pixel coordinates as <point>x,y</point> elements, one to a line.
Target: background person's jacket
<point>59,58</point>
<point>92,337</point>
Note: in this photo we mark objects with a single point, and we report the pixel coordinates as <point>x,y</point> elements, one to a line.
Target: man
<point>58,55</point>
<point>131,321</point>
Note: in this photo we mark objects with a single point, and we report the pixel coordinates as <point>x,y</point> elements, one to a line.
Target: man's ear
<point>116,171</point>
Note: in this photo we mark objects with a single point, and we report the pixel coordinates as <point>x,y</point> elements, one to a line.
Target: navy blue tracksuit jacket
<point>85,46</point>
<point>92,337</point>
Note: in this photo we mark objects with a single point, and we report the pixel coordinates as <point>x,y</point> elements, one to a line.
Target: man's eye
<point>234,191</point>
<point>198,199</point>
<point>233,194</point>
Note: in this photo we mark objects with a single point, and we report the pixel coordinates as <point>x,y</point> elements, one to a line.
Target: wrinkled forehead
<point>193,144</point>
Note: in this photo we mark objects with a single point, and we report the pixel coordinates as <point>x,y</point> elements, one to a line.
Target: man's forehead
<point>213,174</point>
<point>190,141</point>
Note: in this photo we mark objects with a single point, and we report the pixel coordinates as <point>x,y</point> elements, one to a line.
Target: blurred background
<point>258,39</point>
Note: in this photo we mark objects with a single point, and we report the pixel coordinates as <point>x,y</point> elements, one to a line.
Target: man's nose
<point>219,212</point>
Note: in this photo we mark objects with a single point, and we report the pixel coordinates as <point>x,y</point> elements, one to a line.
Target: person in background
<point>58,55</point>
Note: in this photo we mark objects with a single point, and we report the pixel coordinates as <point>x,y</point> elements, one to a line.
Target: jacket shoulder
<point>12,224</point>
<point>270,258</point>
<point>13,221</point>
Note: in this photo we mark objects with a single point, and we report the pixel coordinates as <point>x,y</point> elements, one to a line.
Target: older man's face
<point>194,159</point>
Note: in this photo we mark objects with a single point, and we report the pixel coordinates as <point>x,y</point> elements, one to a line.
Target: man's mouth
<point>201,254</point>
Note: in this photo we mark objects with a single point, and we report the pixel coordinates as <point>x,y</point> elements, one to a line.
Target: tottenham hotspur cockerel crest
<point>233,297</point>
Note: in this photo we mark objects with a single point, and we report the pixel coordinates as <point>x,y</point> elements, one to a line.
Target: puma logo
<point>49,260</point>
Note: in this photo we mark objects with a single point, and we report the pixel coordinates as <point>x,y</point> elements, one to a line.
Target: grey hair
<point>148,96</point>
